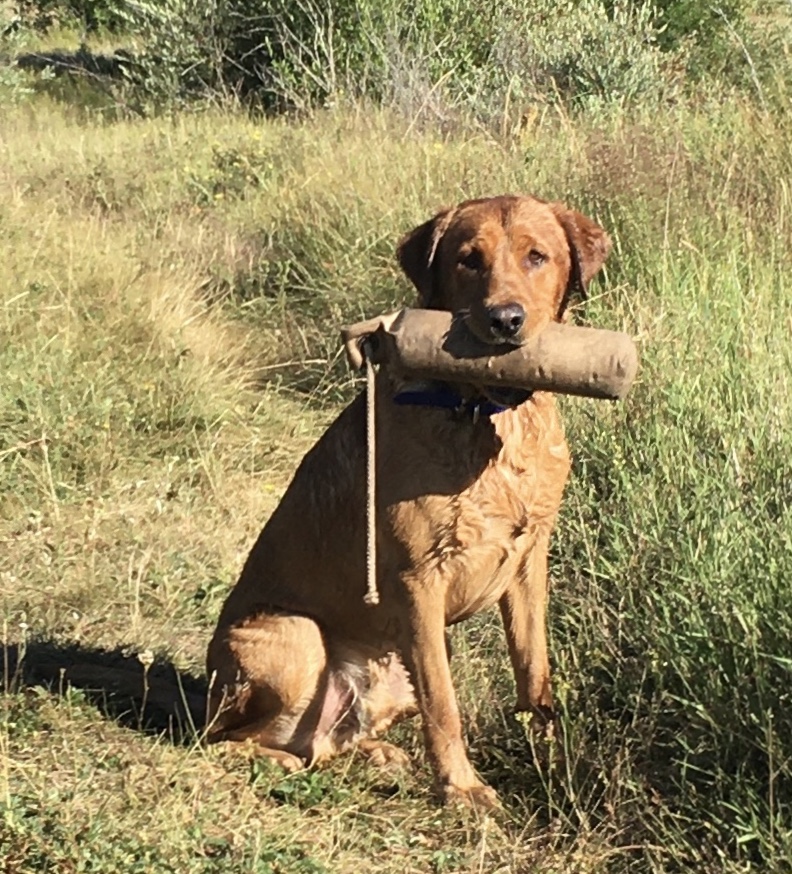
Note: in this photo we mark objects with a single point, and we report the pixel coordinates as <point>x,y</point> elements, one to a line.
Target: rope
<point>372,593</point>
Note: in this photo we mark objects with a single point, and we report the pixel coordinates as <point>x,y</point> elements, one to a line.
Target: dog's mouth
<point>505,396</point>
<point>502,395</point>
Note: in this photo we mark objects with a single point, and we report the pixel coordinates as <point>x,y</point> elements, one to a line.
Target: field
<point>171,289</point>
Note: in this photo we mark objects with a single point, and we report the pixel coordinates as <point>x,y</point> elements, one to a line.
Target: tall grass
<point>171,292</point>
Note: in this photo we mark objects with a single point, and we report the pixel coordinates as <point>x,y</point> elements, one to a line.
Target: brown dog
<point>299,664</point>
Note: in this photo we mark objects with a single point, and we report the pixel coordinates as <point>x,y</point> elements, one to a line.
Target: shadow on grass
<point>155,698</point>
<point>82,62</point>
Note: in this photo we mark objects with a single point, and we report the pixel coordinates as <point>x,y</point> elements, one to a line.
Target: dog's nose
<point>506,321</point>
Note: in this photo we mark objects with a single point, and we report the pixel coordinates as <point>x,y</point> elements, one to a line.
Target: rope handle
<point>372,593</point>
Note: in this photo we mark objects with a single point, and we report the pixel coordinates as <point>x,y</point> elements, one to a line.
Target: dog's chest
<point>523,484</point>
<point>477,533</point>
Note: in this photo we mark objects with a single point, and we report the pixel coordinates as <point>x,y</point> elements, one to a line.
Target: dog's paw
<point>250,750</point>
<point>543,736</point>
<point>290,763</point>
<point>282,759</point>
<point>383,755</point>
<point>479,797</point>
<point>539,721</point>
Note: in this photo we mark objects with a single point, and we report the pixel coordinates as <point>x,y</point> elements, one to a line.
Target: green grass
<point>171,291</point>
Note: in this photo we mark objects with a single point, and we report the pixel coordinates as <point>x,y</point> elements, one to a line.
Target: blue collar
<point>446,398</point>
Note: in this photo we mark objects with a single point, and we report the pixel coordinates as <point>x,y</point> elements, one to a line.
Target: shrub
<point>89,14</point>
<point>431,53</point>
<point>439,58</point>
<point>704,23</point>
<point>585,51</point>
<point>432,58</point>
<point>14,83</point>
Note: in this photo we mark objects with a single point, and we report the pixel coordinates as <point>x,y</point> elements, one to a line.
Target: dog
<point>467,496</point>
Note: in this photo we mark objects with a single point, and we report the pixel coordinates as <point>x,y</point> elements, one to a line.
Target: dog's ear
<point>589,245</point>
<point>417,255</point>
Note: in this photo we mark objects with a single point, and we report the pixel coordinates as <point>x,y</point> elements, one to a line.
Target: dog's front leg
<point>524,608</point>
<point>426,657</point>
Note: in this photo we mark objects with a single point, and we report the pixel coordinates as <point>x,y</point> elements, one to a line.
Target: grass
<point>171,292</point>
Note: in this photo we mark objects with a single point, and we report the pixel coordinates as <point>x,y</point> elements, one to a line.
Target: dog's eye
<point>472,260</point>
<point>535,258</point>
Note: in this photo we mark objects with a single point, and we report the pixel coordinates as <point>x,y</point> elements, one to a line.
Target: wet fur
<point>299,665</point>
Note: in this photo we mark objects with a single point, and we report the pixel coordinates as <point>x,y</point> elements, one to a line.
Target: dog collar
<point>446,398</point>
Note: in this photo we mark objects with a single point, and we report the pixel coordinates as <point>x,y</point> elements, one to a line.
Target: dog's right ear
<point>417,254</point>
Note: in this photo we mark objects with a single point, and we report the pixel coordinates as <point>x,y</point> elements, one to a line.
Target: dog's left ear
<point>589,245</point>
<point>417,254</point>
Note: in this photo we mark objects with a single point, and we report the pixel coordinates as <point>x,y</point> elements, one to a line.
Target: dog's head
<point>508,265</point>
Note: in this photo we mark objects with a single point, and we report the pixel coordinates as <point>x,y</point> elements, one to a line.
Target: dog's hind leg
<point>249,745</point>
<point>268,677</point>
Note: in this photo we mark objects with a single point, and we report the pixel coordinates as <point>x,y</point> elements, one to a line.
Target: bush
<point>436,58</point>
<point>91,15</point>
<point>682,21</point>
<point>14,83</point>
<point>431,53</point>
<point>585,51</point>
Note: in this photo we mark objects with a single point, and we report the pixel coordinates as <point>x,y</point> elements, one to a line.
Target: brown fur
<point>299,663</point>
